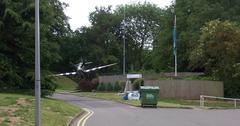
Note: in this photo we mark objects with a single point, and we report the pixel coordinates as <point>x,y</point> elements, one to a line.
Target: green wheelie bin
<point>149,96</point>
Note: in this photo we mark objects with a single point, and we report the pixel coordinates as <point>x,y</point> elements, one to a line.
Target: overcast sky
<point>79,10</point>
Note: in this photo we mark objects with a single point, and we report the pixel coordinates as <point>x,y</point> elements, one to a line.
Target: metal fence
<point>203,99</point>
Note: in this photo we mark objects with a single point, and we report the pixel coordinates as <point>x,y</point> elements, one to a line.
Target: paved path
<point>107,113</point>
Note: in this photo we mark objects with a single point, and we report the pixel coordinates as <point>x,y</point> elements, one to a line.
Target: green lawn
<point>64,83</point>
<point>18,110</point>
<point>167,103</point>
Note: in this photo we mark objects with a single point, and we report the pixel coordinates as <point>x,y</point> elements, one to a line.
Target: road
<point>108,113</point>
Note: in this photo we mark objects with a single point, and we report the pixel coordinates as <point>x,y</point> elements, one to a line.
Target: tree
<point>97,43</point>
<point>218,51</point>
<point>17,41</point>
<point>191,16</point>
<point>162,54</point>
<point>142,24</point>
<point>218,54</point>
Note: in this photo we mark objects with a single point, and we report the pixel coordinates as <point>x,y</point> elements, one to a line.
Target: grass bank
<point>64,83</point>
<point>18,110</point>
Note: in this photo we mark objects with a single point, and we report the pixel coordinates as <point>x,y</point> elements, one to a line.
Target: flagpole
<point>175,23</point>
<point>37,66</point>
<point>174,39</point>
<point>124,44</point>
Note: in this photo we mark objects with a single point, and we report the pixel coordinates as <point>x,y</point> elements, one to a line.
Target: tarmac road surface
<point>108,113</point>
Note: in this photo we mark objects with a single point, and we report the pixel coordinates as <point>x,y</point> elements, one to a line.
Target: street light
<point>37,66</point>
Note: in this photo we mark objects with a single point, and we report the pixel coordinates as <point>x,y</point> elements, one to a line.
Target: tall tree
<point>218,54</point>
<point>17,41</point>
<point>96,43</point>
<point>192,15</point>
<point>142,24</point>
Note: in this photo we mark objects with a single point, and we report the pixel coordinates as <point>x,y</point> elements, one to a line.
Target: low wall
<point>187,89</point>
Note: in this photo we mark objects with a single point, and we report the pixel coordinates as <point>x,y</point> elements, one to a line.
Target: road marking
<point>83,120</point>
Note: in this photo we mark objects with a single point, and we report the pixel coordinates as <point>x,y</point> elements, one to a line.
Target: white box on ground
<point>133,95</point>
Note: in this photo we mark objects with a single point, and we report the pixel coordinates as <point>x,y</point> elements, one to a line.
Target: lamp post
<point>37,66</point>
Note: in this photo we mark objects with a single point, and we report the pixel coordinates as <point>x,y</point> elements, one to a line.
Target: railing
<point>202,100</point>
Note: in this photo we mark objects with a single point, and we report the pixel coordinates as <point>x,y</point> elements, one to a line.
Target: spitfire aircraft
<point>83,72</point>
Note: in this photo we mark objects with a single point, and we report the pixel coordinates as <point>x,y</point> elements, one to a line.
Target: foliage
<point>86,85</point>
<point>191,16</point>
<point>102,41</point>
<point>137,83</point>
<point>117,87</point>
<point>96,43</point>
<point>218,51</point>
<point>108,87</point>
<point>17,42</point>
<point>142,24</point>
<point>212,48</point>
<point>162,54</point>
<point>101,87</point>
<point>232,88</point>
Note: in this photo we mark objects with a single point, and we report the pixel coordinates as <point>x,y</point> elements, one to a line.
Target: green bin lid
<point>149,87</point>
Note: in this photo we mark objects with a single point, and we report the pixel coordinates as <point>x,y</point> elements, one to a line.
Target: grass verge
<point>18,110</point>
<point>164,103</point>
<point>115,97</point>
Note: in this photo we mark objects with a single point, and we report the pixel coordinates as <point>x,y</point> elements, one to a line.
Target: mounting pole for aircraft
<point>124,44</point>
<point>37,66</point>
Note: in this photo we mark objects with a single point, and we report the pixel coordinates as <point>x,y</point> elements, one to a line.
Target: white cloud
<point>79,10</point>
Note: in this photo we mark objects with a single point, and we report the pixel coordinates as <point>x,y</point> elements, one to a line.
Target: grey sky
<point>79,10</point>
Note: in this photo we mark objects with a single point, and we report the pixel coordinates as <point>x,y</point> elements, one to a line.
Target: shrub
<point>94,83</point>
<point>137,83</point>
<point>232,88</point>
<point>109,87</point>
<point>101,87</point>
<point>85,85</point>
<point>117,87</point>
<point>122,85</point>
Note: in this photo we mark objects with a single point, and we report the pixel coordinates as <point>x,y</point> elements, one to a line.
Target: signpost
<point>37,66</point>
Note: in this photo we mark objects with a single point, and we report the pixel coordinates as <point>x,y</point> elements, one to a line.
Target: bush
<point>94,83</point>
<point>101,87</point>
<point>137,83</point>
<point>109,87</point>
<point>232,88</point>
<point>117,87</point>
<point>86,85</point>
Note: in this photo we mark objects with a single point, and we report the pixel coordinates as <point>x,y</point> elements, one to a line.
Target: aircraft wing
<point>100,67</point>
<point>65,74</point>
